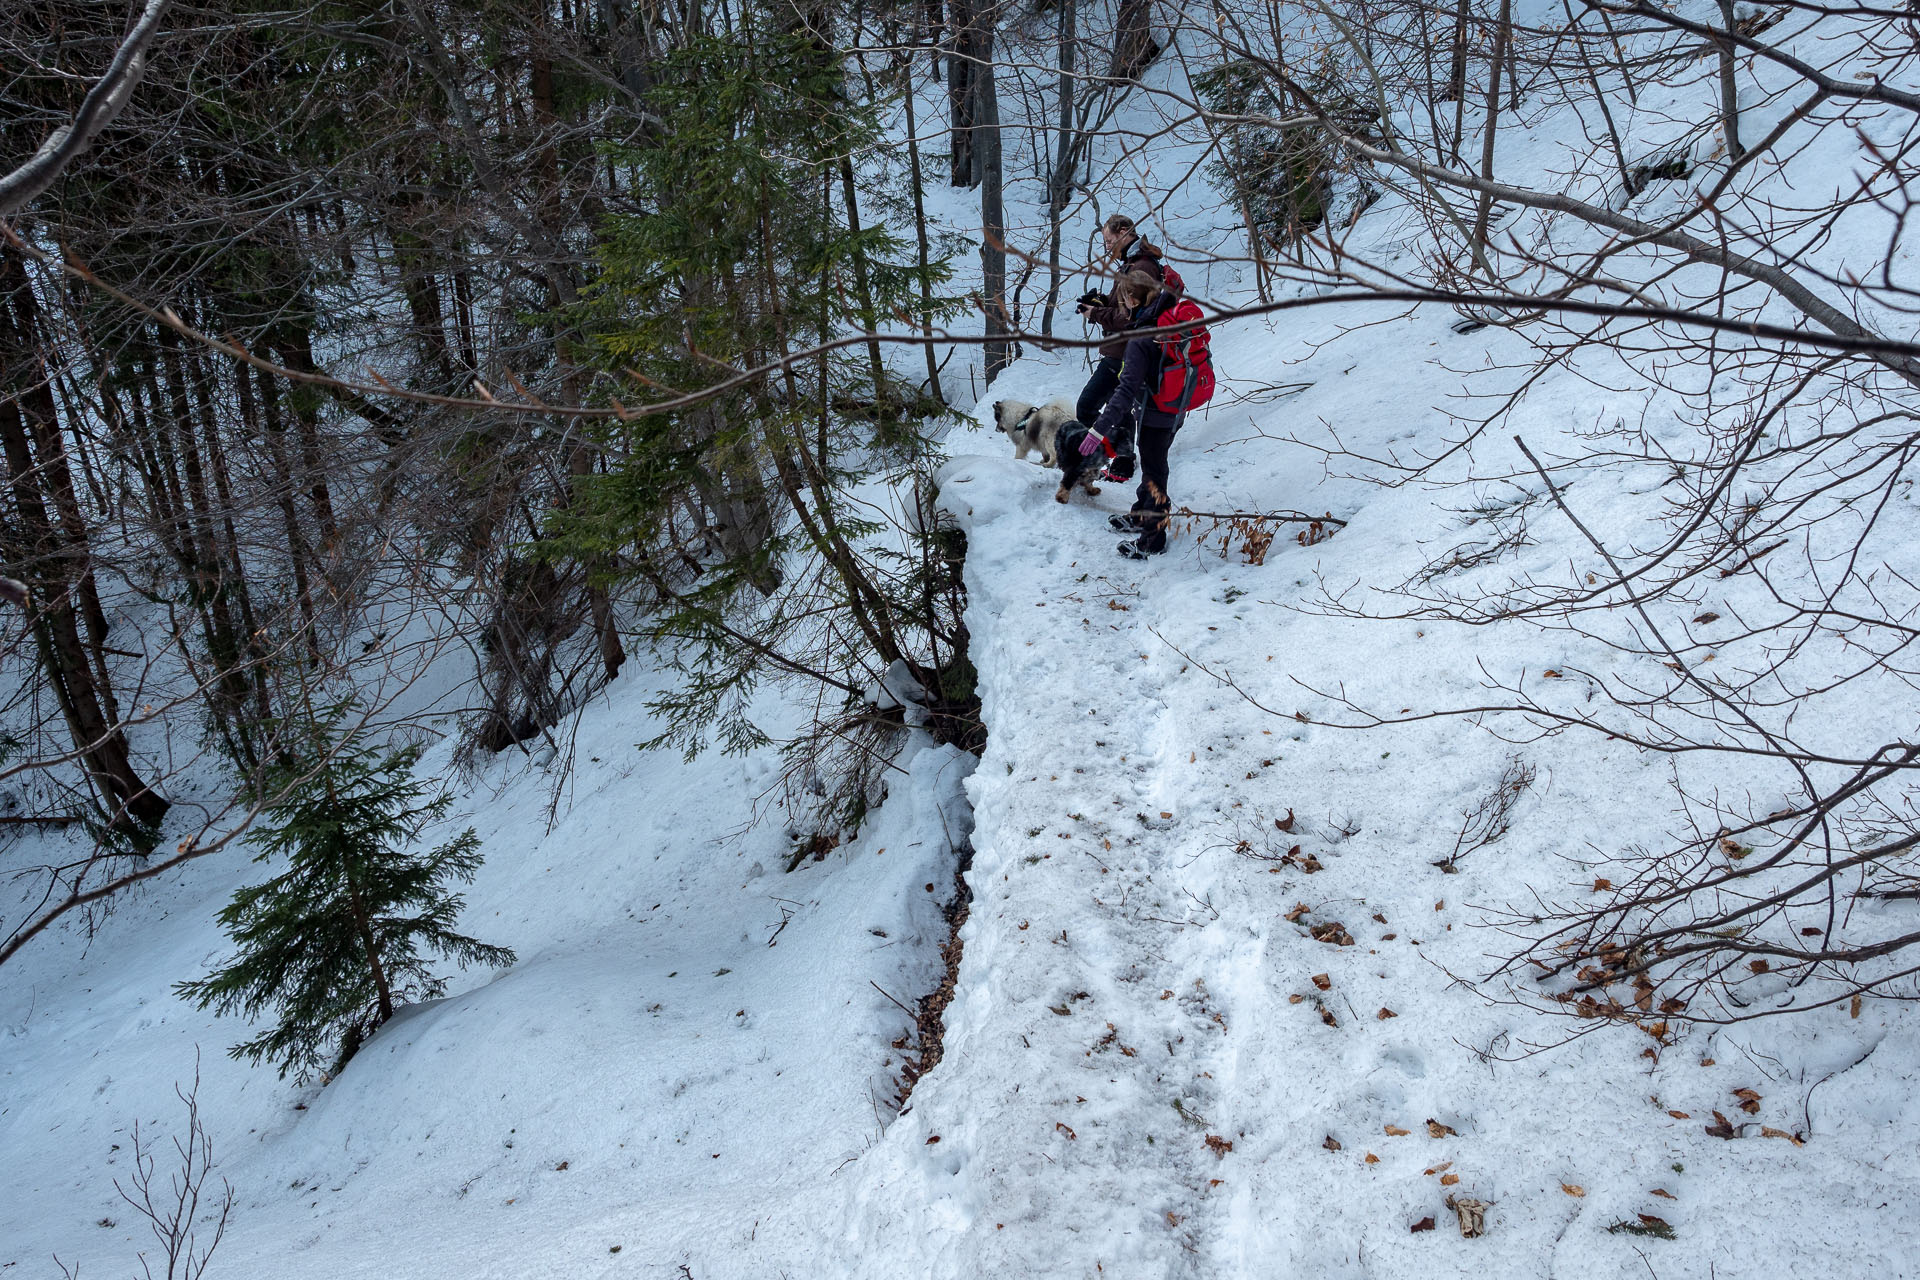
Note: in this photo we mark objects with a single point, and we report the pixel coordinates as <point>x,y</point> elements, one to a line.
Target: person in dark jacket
<point>1124,247</point>
<point>1131,404</point>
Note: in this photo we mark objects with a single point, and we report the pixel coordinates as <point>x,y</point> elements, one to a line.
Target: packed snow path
<point>1140,985</point>
<point>1159,1064</point>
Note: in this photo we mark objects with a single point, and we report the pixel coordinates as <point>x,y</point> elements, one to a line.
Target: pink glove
<point>1092,443</point>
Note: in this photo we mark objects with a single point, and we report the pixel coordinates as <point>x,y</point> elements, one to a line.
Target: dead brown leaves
<point>1333,933</point>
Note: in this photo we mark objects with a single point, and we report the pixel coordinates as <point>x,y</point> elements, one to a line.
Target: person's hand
<point>1091,443</point>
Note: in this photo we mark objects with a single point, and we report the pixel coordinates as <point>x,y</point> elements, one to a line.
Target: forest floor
<point>1155,1063</point>
<point>1219,1014</point>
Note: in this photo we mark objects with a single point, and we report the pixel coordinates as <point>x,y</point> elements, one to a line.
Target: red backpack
<point>1186,363</point>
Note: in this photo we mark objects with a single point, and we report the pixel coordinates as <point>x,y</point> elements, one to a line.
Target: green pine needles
<point>340,937</point>
<point>740,247</point>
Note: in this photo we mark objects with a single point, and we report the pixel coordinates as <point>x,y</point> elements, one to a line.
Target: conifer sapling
<point>341,936</point>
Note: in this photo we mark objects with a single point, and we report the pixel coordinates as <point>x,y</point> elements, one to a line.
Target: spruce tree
<point>338,939</point>
<point>740,248</point>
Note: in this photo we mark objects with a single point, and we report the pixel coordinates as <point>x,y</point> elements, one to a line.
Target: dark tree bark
<point>993,215</point>
<point>964,68</point>
<point>921,247</point>
<point>46,545</point>
<point>1134,47</point>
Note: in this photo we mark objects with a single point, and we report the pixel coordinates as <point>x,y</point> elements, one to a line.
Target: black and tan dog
<point>1051,430</point>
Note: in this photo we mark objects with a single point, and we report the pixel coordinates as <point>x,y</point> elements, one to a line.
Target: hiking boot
<point>1134,551</point>
<point>1128,523</point>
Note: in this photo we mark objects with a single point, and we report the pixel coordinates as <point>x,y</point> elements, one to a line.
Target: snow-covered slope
<point>1153,1067</point>
<point>1140,988</point>
<point>690,1037</point>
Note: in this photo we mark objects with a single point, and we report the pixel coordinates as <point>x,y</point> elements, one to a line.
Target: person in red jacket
<point>1126,248</point>
<point>1167,370</point>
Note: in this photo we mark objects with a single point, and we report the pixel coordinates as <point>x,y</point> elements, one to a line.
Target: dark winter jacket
<point>1139,371</point>
<point>1139,256</point>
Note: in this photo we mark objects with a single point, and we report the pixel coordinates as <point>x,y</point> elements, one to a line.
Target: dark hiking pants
<point>1151,502</point>
<point>1106,376</point>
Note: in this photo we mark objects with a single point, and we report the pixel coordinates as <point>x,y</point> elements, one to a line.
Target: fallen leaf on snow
<point>1218,1145</point>
<point>1322,981</point>
<point>1681,1115</point>
<point>1442,1167</point>
<point>1058,1127</point>
<point>1794,1138</point>
<point>1574,1189</point>
<point>1425,1224</point>
<point>1372,1158</point>
<point>1437,1130</point>
<point>1601,884</point>
<point>1384,1014</point>
<point>1449,1179</point>
<point>1332,1143</point>
<point>1395,1131</point>
<point>1663,1193</point>
<point>1472,1214</point>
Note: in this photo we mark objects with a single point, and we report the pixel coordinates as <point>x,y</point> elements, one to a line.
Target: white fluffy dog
<point>1032,427</point>
<point>1051,429</point>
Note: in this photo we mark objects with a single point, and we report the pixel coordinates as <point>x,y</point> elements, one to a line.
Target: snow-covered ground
<point>1153,1067</point>
<point>690,1038</point>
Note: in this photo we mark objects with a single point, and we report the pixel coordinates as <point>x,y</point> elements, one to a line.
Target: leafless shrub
<point>1491,816</point>
<point>186,1229</point>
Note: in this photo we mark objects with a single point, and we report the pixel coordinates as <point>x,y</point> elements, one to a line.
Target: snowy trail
<point>1081,1073</point>
<point>1146,982</point>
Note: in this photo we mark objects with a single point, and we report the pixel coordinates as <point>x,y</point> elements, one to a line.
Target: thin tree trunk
<point>963,70</point>
<point>993,215</point>
<point>365,925</point>
<point>1729,90</point>
<point>1457,76</point>
<point>1502,32</point>
<point>264,410</point>
<point>920,243</point>
<point>862,282</point>
<point>1060,189</point>
<point>1599,98</point>
<point>53,550</point>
